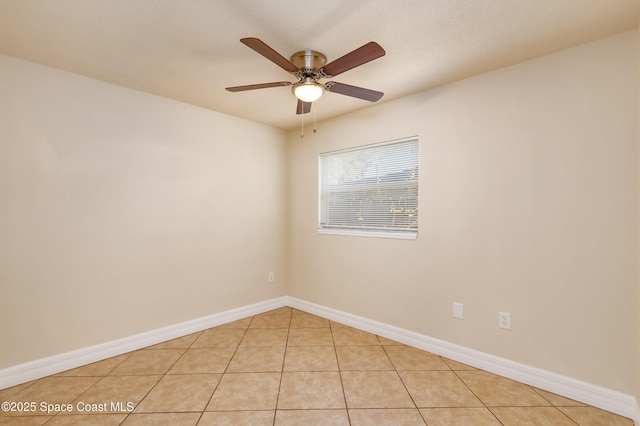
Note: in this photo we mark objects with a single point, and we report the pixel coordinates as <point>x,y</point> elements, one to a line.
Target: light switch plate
<point>458,310</point>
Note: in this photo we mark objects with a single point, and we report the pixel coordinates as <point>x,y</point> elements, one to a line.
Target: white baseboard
<point>43,367</point>
<point>597,396</point>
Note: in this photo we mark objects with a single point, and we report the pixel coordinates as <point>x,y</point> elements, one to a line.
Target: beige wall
<point>122,212</point>
<point>528,204</point>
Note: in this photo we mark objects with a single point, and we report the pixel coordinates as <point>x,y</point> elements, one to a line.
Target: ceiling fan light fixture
<point>308,90</point>
<point>309,66</point>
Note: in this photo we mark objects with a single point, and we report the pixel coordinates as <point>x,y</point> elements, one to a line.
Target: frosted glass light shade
<point>308,91</point>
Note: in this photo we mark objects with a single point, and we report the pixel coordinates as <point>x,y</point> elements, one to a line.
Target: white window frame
<point>367,231</point>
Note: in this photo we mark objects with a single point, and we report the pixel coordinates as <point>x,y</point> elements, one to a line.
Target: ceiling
<point>189,50</point>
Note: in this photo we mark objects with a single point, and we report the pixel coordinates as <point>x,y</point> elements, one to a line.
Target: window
<point>370,190</point>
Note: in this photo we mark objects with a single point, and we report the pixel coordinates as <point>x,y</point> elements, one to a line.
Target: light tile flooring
<point>287,367</point>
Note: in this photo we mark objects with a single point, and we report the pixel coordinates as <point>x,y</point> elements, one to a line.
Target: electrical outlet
<point>458,310</point>
<point>504,320</point>
<point>271,277</point>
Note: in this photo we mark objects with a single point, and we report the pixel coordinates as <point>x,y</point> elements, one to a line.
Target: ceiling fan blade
<point>303,107</point>
<point>262,48</point>
<point>353,91</point>
<point>355,58</point>
<point>258,86</point>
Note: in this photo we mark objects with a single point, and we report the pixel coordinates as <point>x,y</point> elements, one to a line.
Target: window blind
<point>372,188</point>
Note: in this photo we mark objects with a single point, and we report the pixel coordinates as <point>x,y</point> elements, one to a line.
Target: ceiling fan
<point>309,66</point>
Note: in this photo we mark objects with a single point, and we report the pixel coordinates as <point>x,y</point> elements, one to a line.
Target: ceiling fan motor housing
<point>308,60</point>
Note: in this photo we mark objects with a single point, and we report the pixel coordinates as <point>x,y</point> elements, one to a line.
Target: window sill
<point>399,235</point>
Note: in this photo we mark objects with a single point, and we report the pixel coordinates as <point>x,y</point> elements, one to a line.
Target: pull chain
<point>314,119</point>
<point>315,130</point>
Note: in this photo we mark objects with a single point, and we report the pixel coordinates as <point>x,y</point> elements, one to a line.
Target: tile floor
<point>287,367</point>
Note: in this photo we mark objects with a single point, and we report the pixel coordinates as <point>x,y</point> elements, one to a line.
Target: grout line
<point>486,407</point>
<point>284,357</point>
<point>335,354</point>
<point>159,380</point>
<point>225,368</point>
<point>395,369</point>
